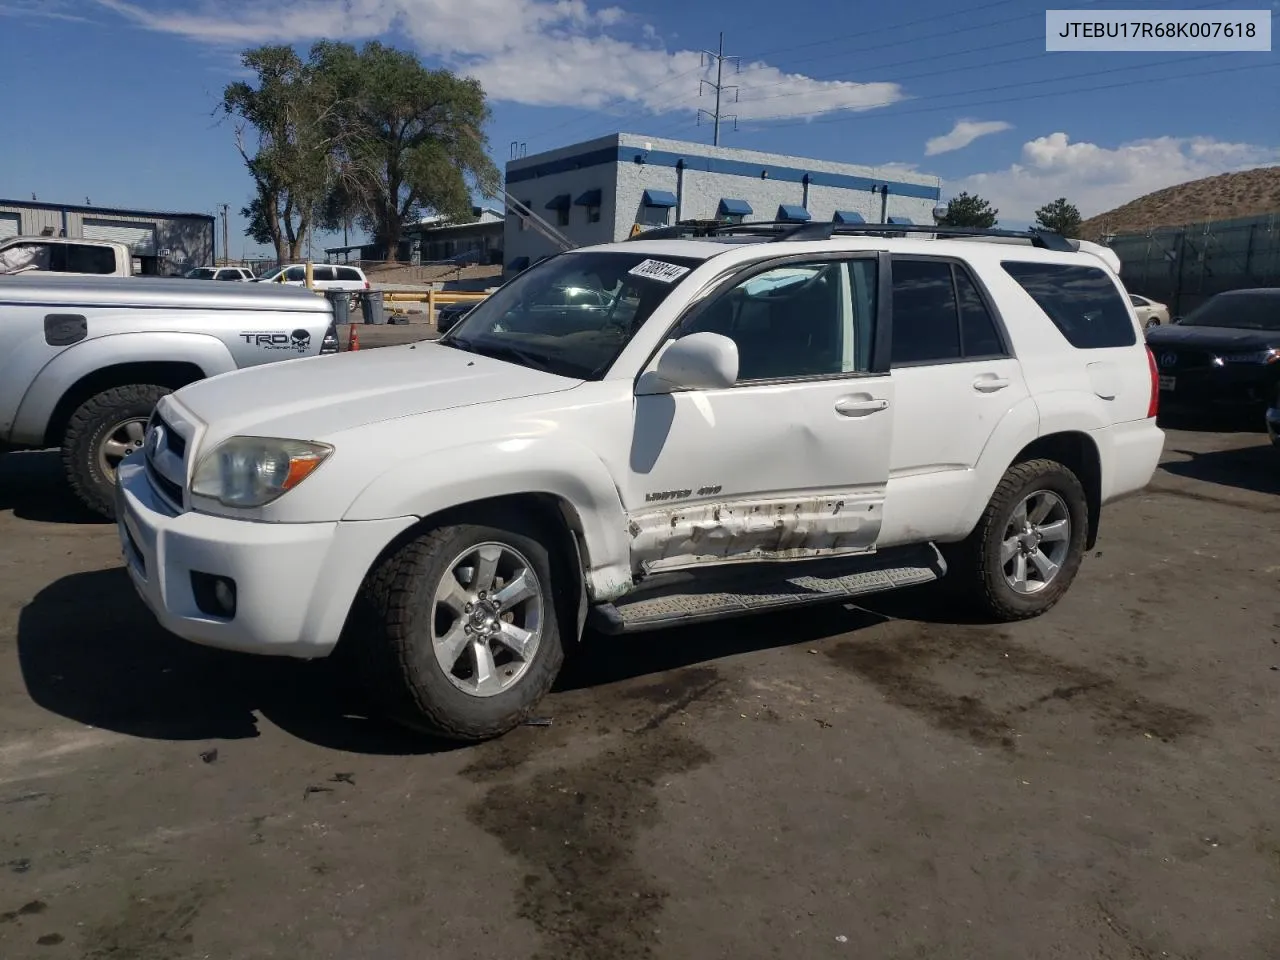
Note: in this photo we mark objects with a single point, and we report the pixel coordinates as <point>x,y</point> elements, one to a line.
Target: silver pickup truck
<point>83,360</point>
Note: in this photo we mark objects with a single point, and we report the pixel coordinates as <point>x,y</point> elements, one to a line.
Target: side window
<point>978,333</point>
<point>228,274</point>
<point>82,258</point>
<point>798,320</point>
<point>925,319</point>
<point>348,273</point>
<point>1082,302</point>
<point>295,274</point>
<point>319,273</point>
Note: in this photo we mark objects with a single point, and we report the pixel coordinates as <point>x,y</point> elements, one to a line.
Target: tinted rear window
<point>347,273</point>
<point>1083,303</point>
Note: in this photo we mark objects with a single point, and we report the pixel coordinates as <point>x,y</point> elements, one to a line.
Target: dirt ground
<point>870,782</point>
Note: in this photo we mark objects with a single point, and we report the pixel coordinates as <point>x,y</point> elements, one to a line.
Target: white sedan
<point>1150,313</point>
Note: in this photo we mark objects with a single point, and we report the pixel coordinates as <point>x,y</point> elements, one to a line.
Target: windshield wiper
<point>499,351</point>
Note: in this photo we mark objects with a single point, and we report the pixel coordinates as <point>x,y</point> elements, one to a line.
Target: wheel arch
<point>1078,452</point>
<point>173,374</point>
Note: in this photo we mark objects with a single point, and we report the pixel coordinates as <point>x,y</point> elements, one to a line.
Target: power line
<point>1019,99</point>
<point>719,87</point>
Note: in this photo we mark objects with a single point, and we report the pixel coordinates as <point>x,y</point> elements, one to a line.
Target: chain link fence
<point>1184,266</point>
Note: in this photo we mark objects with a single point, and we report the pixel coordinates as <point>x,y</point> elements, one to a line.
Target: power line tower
<point>226,235</point>
<point>718,58</point>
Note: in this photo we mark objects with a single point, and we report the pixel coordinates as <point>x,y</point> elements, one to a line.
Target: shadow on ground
<point>1250,468</point>
<point>90,651</point>
<point>32,485</point>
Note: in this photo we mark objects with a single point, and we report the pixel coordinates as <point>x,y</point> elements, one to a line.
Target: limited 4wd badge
<point>298,341</point>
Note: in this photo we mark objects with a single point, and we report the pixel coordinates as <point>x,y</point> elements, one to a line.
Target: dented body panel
<point>679,538</point>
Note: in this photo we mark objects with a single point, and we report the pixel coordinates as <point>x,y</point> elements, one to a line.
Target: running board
<point>736,590</point>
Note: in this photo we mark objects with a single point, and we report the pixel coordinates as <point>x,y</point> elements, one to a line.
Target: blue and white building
<point>607,189</point>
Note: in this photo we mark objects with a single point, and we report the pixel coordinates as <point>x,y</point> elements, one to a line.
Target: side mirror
<point>700,361</point>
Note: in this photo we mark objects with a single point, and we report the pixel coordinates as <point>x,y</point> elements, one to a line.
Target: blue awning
<point>848,216</point>
<point>518,264</point>
<point>793,213</point>
<point>906,220</point>
<point>659,198</point>
<point>559,203</point>
<point>734,208</point>
<point>589,199</point>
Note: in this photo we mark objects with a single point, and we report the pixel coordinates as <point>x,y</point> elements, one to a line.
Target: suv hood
<point>1213,338</point>
<point>314,397</point>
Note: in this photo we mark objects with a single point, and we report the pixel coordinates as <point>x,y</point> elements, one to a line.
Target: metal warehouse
<point>162,243</point>
<point>611,188</point>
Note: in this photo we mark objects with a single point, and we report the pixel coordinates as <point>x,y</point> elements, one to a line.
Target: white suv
<point>324,276</point>
<point>733,426</point>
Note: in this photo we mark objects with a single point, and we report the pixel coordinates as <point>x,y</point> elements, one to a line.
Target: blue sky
<point>114,100</point>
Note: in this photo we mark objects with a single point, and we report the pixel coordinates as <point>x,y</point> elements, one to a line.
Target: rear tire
<point>1026,549</point>
<point>102,431</point>
<point>460,633</point>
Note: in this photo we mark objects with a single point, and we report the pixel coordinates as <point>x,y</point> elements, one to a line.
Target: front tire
<point>462,637</point>
<point>1027,547</point>
<point>101,432</point>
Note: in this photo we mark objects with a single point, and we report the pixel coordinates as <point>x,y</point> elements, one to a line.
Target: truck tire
<point>101,431</point>
<point>462,634</point>
<point>1026,549</point>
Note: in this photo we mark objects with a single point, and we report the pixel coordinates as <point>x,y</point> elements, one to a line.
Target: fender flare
<point>204,351</point>
<point>569,472</point>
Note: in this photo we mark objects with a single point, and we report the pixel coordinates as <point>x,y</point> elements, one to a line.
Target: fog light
<point>214,595</point>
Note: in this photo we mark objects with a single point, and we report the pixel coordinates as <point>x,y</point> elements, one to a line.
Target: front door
<point>955,380</point>
<point>791,461</point>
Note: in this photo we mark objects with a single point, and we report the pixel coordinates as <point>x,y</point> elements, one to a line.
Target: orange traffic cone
<point>354,343</point>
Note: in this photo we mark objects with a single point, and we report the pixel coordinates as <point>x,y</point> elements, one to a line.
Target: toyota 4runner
<point>750,418</point>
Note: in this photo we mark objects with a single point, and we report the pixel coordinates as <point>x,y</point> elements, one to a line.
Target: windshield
<point>571,315</point>
<point>272,275</point>
<point>1242,311</point>
<point>200,273</point>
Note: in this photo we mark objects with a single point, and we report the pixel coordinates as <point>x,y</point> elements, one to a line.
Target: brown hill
<point>1224,197</point>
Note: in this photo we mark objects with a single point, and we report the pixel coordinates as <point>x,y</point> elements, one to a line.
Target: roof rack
<point>780,230</point>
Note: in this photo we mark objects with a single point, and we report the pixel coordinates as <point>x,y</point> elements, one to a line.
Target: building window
<point>591,200</point>
<point>655,216</point>
<point>731,210</point>
<point>562,217</point>
<point>593,214</point>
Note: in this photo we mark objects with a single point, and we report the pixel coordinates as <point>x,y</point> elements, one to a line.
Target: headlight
<point>1257,356</point>
<point>253,471</point>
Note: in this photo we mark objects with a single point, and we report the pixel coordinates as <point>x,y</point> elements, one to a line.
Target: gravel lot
<point>878,782</point>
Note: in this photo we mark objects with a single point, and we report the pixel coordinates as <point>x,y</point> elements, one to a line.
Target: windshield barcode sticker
<point>657,270</point>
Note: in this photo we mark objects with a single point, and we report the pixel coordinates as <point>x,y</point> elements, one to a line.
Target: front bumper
<point>295,582</point>
<point>1228,385</point>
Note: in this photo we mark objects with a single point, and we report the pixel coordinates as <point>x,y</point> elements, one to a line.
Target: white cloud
<point>40,10</point>
<point>963,134</point>
<point>538,52</point>
<point>1097,179</point>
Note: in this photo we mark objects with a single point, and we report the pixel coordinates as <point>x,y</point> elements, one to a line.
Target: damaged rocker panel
<point>688,535</point>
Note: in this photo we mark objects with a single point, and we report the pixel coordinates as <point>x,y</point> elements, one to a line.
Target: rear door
<point>955,378</point>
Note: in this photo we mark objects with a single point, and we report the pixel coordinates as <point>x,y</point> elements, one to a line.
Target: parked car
<point>324,276</point>
<point>888,411</point>
<point>1150,313</point>
<point>451,313</point>
<point>1225,352</point>
<point>100,258</point>
<point>239,274</point>
<point>84,360</point>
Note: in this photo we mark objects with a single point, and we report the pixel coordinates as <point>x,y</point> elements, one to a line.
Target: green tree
<point>284,133</point>
<point>969,211</point>
<point>1060,217</point>
<point>407,140</point>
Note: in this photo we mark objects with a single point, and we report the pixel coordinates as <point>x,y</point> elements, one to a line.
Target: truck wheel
<point>464,636</point>
<point>1027,548</point>
<point>101,432</point>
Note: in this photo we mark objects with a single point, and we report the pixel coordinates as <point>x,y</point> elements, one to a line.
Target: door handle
<point>849,407</point>
<point>990,384</point>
